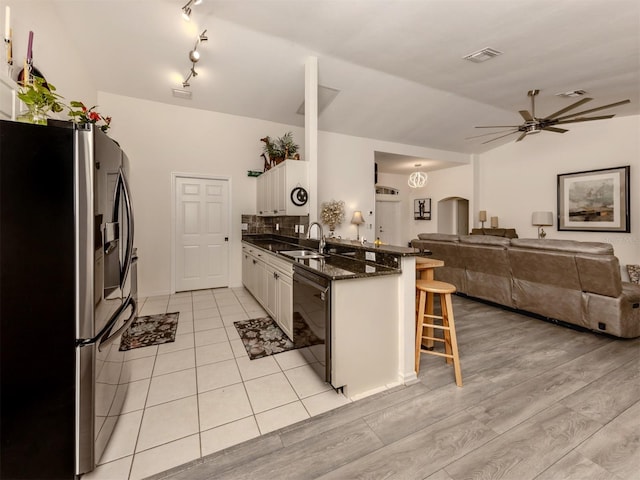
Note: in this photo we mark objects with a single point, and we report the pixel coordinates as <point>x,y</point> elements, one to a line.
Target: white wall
<point>442,184</point>
<point>160,139</point>
<point>519,178</point>
<point>53,53</point>
<point>346,172</point>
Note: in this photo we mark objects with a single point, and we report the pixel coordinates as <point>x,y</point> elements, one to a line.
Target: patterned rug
<point>150,330</point>
<point>263,336</point>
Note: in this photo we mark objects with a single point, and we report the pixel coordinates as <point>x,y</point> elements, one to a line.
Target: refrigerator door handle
<point>122,187</point>
<point>108,337</point>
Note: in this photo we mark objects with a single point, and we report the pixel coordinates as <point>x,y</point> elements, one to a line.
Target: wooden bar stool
<point>426,320</point>
<point>424,271</point>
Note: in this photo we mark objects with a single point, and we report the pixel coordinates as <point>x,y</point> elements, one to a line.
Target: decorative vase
<point>33,115</point>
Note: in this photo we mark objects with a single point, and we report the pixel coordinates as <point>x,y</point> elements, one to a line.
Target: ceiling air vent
<point>482,55</point>
<point>186,94</point>
<point>572,93</point>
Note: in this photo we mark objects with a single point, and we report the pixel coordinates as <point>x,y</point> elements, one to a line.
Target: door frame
<point>200,176</point>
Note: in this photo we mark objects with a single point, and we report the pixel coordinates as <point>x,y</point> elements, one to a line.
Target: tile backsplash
<point>286,225</point>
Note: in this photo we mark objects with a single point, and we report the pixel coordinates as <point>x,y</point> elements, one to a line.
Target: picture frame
<point>422,209</point>
<point>594,200</point>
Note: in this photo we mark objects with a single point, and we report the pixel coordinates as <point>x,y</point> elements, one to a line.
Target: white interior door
<point>202,233</point>
<point>388,222</point>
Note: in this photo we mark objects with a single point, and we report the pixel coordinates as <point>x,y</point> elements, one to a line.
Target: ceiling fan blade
<point>595,109</point>
<point>492,133</point>
<point>584,119</point>
<point>521,137</point>
<point>526,115</point>
<point>553,129</point>
<point>498,126</point>
<point>501,136</point>
<point>570,107</point>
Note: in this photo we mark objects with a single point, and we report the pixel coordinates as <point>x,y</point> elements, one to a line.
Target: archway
<point>453,215</point>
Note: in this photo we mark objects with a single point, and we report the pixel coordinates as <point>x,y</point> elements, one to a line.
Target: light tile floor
<point>201,393</point>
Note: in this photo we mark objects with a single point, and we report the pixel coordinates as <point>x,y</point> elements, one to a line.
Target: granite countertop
<point>370,247</point>
<point>332,266</point>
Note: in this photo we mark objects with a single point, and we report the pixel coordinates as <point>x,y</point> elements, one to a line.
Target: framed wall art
<point>594,201</point>
<point>422,209</point>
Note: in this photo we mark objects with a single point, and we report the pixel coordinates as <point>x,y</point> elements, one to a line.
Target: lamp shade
<point>357,218</point>
<point>542,218</point>
<point>483,216</point>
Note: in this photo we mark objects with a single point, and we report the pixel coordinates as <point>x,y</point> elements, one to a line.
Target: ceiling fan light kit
<point>533,124</point>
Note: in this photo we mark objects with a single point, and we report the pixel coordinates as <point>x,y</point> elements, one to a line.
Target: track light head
<point>203,36</point>
<point>194,56</point>
<point>197,2</point>
<point>185,84</point>
<point>186,12</point>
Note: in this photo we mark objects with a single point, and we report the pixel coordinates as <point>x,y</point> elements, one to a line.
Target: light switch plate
<point>296,228</point>
<point>245,227</point>
<point>277,227</point>
<point>301,228</point>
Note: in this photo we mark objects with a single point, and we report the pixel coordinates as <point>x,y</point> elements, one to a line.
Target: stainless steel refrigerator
<point>68,290</point>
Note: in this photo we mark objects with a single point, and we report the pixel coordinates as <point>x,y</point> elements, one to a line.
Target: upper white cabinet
<point>284,190</point>
<point>8,99</point>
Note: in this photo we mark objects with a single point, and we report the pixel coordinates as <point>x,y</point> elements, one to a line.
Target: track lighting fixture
<point>186,10</point>
<point>194,56</point>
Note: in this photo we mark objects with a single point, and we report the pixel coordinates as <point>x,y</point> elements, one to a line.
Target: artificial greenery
<point>283,147</point>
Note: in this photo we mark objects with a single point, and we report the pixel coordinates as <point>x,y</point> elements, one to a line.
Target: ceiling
<point>397,64</point>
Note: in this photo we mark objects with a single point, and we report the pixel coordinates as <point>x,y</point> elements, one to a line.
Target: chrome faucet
<point>321,236</point>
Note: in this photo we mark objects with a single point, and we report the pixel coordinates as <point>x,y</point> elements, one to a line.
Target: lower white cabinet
<point>270,281</point>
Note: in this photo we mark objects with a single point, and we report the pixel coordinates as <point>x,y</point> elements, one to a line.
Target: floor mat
<point>150,330</point>
<point>263,336</point>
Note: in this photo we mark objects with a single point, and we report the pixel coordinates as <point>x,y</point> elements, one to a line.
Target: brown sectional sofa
<point>574,282</point>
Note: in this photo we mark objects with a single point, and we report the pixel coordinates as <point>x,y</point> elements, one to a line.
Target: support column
<point>311,132</point>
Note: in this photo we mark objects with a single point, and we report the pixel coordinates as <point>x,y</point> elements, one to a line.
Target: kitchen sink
<point>304,254</point>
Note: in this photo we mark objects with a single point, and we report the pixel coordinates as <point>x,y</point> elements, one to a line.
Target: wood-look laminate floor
<point>539,401</point>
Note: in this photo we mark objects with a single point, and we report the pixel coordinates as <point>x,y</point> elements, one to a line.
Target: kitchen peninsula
<point>369,293</point>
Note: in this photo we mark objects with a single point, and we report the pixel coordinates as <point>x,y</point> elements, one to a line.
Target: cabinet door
<point>278,194</point>
<point>271,305</point>
<point>246,271</point>
<point>285,305</point>
<point>260,281</point>
<point>261,194</point>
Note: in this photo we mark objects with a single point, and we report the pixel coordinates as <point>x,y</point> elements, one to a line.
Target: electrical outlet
<point>245,227</point>
<point>301,228</point>
<point>370,256</point>
<point>296,228</point>
<point>277,227</point>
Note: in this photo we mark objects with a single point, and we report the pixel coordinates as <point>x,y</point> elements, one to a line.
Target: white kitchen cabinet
<point>270,281</point>
<point>254,273</point>
<point>275,187</point>
<point>280,294</point>
<point>8,99</point>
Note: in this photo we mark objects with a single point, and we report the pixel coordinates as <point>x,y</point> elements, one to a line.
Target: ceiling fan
<point>533,124</point>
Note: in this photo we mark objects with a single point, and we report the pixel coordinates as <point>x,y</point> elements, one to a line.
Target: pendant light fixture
<point>417,179</point>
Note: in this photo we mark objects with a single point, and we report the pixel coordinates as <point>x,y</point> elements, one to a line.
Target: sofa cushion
<point>599,274</point>
<point>485,240</point>
<point>440,237</point>
<point>564,245</point>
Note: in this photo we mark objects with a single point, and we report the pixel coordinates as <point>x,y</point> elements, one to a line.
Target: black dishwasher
<point>312,305</point>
